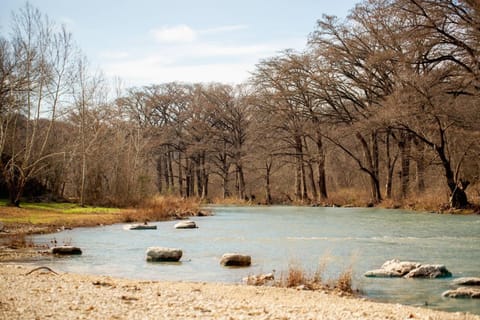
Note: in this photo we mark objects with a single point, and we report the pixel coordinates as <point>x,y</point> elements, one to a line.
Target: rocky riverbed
<point>43,294</point>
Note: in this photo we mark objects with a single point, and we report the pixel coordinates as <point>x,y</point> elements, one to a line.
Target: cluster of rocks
<point>163,254</point>
<point>469,287</point>
<point>406,269</point>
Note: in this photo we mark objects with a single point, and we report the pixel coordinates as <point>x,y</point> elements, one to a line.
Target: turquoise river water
<point>278,237</point>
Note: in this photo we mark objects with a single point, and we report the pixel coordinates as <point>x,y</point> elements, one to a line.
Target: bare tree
<point>37,79</point>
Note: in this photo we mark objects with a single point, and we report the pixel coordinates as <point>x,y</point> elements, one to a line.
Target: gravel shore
<point>46,295</point>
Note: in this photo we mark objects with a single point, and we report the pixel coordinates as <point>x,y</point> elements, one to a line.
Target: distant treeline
<point>384,105</point>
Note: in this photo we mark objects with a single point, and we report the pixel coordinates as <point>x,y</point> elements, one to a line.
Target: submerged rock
<point>429,271</point>
<point>188,224</point>
<point>163,254</point>
<point>471,281</point>
<point>66,250</point>
<point>463,292</point>
<point>235,260</point>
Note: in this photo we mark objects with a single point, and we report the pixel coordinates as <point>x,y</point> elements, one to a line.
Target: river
<point>280,236</point>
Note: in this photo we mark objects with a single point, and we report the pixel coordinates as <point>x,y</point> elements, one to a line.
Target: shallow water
<point>277,237</point>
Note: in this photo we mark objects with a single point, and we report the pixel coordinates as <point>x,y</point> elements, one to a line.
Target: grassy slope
<point>72,215</point>
<point>66,214</point>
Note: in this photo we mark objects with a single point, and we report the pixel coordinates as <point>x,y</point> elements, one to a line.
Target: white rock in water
<point>463,292</point>
<point>235,260</point>
<point>393,268</point>
<point>188,224</point>
<point>163,254</point>
<point>382,273</point>
<point>471,281</point>
<point>429,271</point>
<point>142,227</point>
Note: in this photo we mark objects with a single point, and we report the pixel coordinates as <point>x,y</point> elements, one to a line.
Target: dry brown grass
<point>348,197</point>
<point>17,241</point>
<point>160,208</point>
<point>344,282</point>
<point>231,201</point>
<point>297,277</point>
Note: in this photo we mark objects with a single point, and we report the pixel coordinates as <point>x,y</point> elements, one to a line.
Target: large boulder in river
<point>235,260</point>
<point>66,250</point>
<point>429,271</point>
<point>407,269</point>
<point>463,292</point>
<point>142,227</point>
<point>188,224</point>
<point>393,268</point>
<point>156,254</point>
<point>471,281</point>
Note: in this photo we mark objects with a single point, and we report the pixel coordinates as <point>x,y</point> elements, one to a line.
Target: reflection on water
<point>276,237</point>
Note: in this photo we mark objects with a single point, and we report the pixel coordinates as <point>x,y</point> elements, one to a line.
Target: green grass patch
<point>62,207</point>
<point>79,209</point>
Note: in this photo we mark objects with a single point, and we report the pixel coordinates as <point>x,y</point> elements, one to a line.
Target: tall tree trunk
<point>82,183</point>
<point>268,193</point>
<point>15,184</point>
<point>180,175</point>
<point>198,176</point>
<point>300,178</point>
<point>159,174</point>
<point>322,180</point>
<point>458,197</point>
<point>420,166</point>
<point>388,185</point>
<point>241,182</point>
<point>404,146</point>
<point>311,173</point>
<point>205,179</point>
<point>165,171</point>
<point>391,162</point>
<point>170,169</point>
<point>304,179</point>
<point>372,165</point>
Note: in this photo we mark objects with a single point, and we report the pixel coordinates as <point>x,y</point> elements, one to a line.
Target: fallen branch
<point>40,268</point>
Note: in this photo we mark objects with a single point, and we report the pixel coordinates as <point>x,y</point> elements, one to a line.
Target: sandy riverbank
<point>44,295</point>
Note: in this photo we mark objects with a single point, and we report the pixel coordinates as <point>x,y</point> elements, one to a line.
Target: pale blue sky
<point>148,41</point>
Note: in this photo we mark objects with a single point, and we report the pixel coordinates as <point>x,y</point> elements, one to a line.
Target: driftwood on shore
<point>41,268</point>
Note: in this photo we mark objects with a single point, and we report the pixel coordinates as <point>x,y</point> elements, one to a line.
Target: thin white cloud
<point>187,55</point>
<point>144,73</point>
<point>223,29</point>
<point>114,55</point>
<point>177,34</point>
<point>200,50</point>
